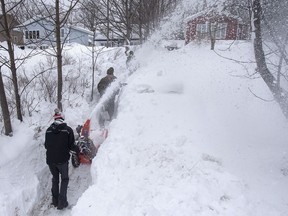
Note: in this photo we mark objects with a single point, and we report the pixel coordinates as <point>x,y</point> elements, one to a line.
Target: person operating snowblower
<point>102,86</point>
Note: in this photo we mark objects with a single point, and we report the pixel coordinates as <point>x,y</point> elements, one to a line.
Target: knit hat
<point>110,71</point>
<point>58,114</point>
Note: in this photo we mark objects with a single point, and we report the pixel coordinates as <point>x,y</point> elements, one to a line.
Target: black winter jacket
<point>59,140</point>
<point>104,83</point>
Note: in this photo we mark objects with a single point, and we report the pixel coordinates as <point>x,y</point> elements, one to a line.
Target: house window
<point>202,28</point>
<point>221,31</point>
<point>32,34</point>
<point>242,32</point>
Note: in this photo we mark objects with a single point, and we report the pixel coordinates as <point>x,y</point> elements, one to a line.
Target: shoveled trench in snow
<point>79,178</point>
<point>79,181</point>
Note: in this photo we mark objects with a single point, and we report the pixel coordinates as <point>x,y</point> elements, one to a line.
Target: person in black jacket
<point>59,141</point>
<point>106,81</point>
<point>103,85</point>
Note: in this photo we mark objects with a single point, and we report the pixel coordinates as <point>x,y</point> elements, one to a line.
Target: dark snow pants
<point>58,198</point>
<point>110,107</point>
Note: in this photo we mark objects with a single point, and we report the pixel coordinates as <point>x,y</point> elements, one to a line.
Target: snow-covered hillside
<point>190,138</point>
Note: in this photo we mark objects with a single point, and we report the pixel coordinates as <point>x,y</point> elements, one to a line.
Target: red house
<point>224,27</point>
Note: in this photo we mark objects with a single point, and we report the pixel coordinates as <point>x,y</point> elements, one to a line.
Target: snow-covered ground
<point>190,138</point>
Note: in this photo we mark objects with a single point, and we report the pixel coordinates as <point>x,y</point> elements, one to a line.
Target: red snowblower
<point>88,149</point>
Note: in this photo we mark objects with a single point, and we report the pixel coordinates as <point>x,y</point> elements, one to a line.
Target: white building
<point>40,32</point>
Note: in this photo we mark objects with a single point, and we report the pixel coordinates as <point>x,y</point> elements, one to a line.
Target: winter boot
<point>62,205</point>
<point>54,202</point>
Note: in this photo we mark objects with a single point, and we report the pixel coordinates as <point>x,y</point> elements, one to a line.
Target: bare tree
<point>58,54</point>
<point>59,22</point>
<point>212,32</point>
<point>274,23</point>
<point>126,17</point>
<point>58,17</point>
<point>7,26</point>
<point>120,17</point>
<point>151,13</point>
<point>10,20</point>
<point>89,17</point>
<point>280,95</point>
<point>4,107</point>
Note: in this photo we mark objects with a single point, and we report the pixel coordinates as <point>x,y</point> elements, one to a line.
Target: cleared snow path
<point>79,178</point>
<point>26,187</point>
<point>79,181</point>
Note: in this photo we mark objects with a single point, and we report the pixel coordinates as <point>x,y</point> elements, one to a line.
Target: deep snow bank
<point>190,138</point>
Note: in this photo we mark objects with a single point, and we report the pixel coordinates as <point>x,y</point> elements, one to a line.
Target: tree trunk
<point>108,23</point>
<point>93,63</point>
<point>280,95</point>
<point>4,107</point>
<point>279,70</point>
<point>12,61</point>
<point>212,34</point>
<point>59,55</point>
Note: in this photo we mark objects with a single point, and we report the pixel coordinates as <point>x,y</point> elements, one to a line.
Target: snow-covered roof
<point>34,20</point>
<point>213,8</point>
<point>78,28</point>
<point>210,13</point>
<point>43,19</point>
